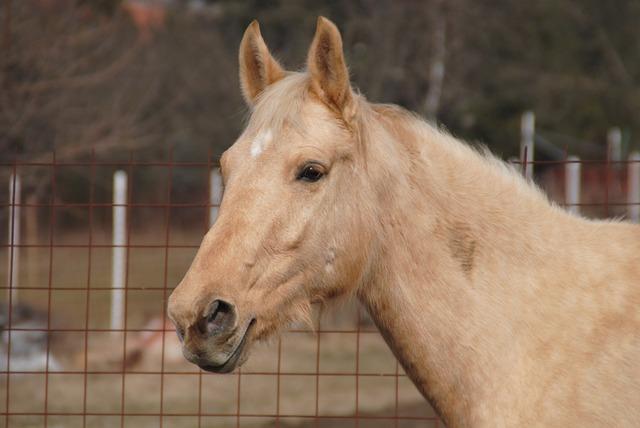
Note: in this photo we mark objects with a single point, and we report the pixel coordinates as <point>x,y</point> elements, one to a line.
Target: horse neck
<point>437,292</point>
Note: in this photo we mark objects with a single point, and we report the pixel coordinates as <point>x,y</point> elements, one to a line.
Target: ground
<point>302,379</point>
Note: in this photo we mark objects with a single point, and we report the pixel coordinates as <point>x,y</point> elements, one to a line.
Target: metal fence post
<point>14,236</point>
<point>527,147</point>
<point>572,184</point>
<point>119,252</point>
<point>215,196</point>
<point>614,142</point>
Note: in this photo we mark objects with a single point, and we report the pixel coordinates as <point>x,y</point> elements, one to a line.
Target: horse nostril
<point>220,318</point>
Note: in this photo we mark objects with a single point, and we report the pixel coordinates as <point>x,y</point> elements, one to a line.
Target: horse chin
<point>238,356</point>
<point>229,366</point>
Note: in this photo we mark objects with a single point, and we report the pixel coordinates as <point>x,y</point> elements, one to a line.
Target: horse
<point>503,308</point>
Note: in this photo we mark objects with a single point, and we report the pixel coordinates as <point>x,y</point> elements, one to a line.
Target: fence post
<point>215,196</point>
<point>614,143</point>
<point>527,128</point>
<point>14,236</point>
<point>572,184</point>
<point>32,236</point>
<point>119,252</point>
<point>633,197</point>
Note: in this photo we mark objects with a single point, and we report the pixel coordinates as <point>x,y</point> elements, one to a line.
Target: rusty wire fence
<point>71,355</point>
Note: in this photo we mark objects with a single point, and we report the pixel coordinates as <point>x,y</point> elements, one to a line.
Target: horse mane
<point>421,139</point>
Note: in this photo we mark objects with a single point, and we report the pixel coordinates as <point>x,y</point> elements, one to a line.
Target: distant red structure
<point>147,16</point>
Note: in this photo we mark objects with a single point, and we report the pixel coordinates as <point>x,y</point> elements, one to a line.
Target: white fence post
<point>14,236</point>
<point>614,142</point>
<point>633,197</point>
<point>527,128</point>
<point>119,253</point>
<point>215,194</point>
<point>572,184</point>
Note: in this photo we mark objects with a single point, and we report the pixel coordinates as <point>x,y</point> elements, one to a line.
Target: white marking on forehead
<point>261,142</point>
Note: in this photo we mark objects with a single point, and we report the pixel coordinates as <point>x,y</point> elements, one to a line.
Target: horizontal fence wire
<point>63,364</point>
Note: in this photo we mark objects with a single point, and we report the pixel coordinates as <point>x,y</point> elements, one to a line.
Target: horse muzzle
<point>215,341</point>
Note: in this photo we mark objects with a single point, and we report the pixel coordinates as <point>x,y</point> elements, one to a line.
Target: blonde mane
<point>415,134</point>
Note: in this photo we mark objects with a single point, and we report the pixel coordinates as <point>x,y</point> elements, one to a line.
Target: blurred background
<point>141,77</point>
<point>146,76</point>
<point>150,87</point>
<point>151,74</point>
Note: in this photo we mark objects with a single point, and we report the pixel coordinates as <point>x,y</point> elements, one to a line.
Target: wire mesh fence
<point>68,358</point>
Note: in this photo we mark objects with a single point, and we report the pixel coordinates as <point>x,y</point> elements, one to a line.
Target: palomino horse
<point>504,309</point>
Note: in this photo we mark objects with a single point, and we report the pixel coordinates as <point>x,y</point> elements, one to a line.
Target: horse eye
<point>310,173</point>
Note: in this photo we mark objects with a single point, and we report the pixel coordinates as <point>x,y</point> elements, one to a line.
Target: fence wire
<point>63,362</point>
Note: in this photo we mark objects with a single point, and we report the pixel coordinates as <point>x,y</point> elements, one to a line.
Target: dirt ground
<point>302,379</point>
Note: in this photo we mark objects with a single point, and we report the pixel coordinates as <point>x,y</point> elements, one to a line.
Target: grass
<point>298,376</point>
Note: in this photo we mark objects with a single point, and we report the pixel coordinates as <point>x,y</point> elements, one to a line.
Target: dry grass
<point>303,387</point>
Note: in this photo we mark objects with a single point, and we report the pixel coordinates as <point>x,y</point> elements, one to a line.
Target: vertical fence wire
<point>208,223</point>
<point>633,187</point>
<point>357,372</point>
<point>125,283</point>
<point>278,370</point>
<point>607,184</point>
<point>92,178</point>
<point>49,286</point>
<point>238,403</point>
<point>317,369</point>
<point>165,280</point>
<point>12,251</point>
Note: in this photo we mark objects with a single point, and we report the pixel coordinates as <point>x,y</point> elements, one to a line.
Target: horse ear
<point>326,65</point>
<point>258,69</point>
